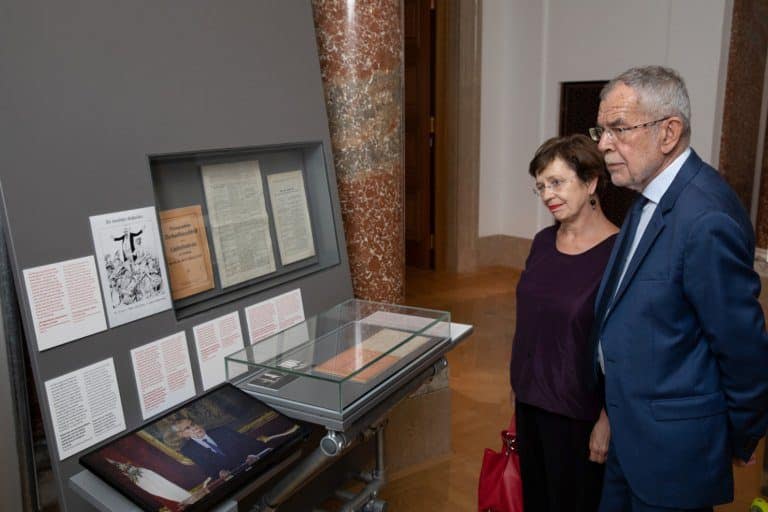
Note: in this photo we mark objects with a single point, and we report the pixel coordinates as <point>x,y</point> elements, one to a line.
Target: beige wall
<point>529,48</point>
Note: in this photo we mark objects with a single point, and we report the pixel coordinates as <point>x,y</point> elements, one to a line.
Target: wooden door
<point>579,103</point>
<point>419,37</point>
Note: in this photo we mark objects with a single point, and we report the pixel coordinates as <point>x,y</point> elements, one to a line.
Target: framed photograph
<point>197,454</point>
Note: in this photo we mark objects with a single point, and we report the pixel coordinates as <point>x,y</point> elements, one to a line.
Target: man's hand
<point>599,439</point>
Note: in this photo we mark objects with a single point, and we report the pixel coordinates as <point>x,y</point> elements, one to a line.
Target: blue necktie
<point>212,447</point>
<point>621,259</point>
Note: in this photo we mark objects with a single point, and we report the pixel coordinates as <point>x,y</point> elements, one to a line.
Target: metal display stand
<point>345,369</point>
<point>366,419</point>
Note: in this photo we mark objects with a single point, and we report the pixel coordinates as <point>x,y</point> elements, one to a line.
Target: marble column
<point>361,47</point>
<point>741,108</point>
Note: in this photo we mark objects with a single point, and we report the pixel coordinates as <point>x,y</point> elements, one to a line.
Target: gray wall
<point>89,89</point>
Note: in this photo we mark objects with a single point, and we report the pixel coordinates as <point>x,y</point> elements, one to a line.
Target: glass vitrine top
<point>355,341</point>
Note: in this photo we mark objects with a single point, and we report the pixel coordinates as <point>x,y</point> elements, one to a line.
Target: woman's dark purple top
<point>555,312</point>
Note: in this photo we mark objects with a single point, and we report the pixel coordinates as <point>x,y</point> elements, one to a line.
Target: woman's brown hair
<point>578,151</point>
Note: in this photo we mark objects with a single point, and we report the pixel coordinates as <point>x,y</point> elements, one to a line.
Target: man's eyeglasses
<point>597,132</point>
<point>554,185</point>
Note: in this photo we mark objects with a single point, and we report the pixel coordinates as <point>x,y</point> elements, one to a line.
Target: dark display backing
<point>178,183</point>
<point>92,91</point>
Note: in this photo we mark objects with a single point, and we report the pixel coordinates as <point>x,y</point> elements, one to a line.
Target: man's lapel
<point>601,302</point>
<point>655,225</point>
<point>654,228</point>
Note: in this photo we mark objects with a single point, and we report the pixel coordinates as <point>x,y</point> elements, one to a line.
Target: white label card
<point>163,374</point>
<point>85,407</point>
<point>64,301</point>
<point>214,341</point>
<point>274,315</point>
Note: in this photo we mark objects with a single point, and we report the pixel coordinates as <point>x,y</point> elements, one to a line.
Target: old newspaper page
<point>292,222</point>
<point>239,222</point>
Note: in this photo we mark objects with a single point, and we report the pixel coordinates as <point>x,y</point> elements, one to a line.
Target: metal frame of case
<point>365,416</point>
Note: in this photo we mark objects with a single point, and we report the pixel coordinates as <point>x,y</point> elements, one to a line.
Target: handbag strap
<point>510,441</point>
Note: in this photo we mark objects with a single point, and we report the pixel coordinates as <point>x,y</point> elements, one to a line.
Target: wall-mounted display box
<point>239,221</point>
<point>334,366</point>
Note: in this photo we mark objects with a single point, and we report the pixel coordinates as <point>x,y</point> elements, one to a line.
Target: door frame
<point>457,134</point>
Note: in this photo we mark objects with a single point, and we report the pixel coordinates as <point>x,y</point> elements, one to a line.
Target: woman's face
<point>562,192</point>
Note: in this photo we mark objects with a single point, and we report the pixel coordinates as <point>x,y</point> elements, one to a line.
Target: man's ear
<point>671,132</point>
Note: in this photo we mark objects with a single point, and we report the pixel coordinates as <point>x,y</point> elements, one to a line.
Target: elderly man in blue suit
<point>680,336</point>
<point>220,451</point>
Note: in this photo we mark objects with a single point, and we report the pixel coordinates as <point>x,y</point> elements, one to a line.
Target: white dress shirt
<point>209,444</point>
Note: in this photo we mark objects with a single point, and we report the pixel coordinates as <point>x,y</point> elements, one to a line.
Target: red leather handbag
<point>500,488</point>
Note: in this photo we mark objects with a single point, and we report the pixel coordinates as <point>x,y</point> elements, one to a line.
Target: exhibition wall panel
<point>98,102</point>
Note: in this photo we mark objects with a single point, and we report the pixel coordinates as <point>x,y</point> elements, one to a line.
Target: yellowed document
<point>379,348</point>
<point>186,251</point>
<point>239,223</point>
<point>292,223</point>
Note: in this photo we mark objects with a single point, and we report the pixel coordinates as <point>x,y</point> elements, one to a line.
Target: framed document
<point>292,223</point>
<point>186,251</point>
<point>199,453</point>
<point>239,222</point>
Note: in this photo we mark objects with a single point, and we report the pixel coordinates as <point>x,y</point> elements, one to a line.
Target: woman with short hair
<point>562,429</point>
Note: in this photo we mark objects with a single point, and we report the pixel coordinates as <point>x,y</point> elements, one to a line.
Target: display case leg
<point>297,477</point>
<point>365,500</point>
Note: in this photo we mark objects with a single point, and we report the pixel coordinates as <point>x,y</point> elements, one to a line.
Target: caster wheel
<point>759,505</point>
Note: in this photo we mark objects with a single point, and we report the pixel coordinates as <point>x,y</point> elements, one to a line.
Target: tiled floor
<point>480,400</point>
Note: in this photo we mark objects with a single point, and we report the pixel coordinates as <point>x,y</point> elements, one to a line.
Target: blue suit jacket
<point>235,447</point>
<point>685,347</point>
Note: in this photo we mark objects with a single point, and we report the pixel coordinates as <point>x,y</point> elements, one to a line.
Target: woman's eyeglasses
<point>554,185</point>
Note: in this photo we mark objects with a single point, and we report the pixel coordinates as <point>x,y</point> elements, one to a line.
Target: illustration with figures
<point>131,265</point>
<point>133,273</point>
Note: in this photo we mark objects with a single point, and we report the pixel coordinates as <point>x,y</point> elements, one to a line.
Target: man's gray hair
<point>175,424</point>
<point>661,90</point>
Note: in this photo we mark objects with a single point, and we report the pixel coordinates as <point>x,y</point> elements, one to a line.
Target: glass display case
<point>337,361</point>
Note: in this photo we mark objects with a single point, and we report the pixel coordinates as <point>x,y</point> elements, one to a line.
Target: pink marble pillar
<point>361,46</point>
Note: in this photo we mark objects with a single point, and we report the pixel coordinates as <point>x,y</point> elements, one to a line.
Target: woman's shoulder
<point>604,244</point>
<point>600,251</point>
<point>542,245</point>
<point>610,238</point>
<point>548,233</point>
<point>605,235</point>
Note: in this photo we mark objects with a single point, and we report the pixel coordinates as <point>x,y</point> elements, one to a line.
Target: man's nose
<point>605,142</point>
